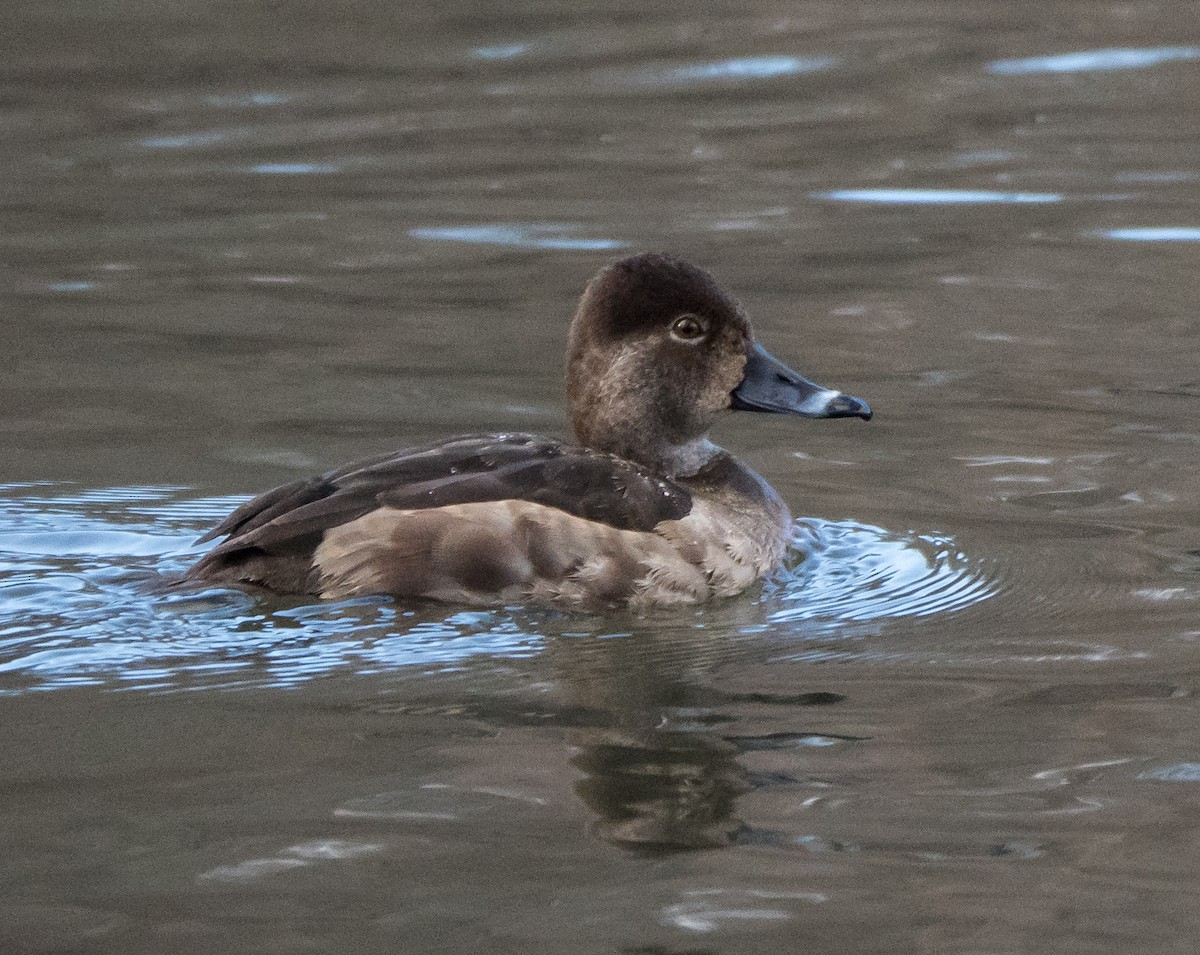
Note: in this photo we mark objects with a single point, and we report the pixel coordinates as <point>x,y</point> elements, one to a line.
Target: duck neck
<point>685,460</point>
<point>670,459</point>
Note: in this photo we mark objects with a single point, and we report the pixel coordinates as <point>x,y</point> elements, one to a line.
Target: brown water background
<point>243,243</point>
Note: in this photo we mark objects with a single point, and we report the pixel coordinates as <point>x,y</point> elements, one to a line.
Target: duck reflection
<point>657,771</point>
<point>669,790</point>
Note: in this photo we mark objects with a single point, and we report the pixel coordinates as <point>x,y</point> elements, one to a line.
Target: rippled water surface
<point>243,245</point>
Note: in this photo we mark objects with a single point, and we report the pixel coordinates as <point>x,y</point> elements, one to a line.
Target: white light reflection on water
<point>505,52</point>
<point>189,140</point>
<point>1178,773</point>
<point>714,74</point>
<point>1153,234</point>
<point>938,197</point>
<point>745,68</point>
<point>84,601</point>
<point>529,236</point>
<point>248,100</point>
<point>1091,61</point>
<point>296,168</point>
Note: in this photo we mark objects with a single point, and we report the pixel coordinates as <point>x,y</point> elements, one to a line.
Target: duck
<point>643,510</point>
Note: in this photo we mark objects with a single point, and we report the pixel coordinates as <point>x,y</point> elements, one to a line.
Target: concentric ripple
<point>854,572</point>
<point>85,600</point>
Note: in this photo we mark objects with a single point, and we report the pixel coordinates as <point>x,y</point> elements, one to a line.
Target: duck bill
<point>771,386</point>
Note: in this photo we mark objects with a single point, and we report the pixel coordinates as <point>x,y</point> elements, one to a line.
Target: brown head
<point>657,351</point>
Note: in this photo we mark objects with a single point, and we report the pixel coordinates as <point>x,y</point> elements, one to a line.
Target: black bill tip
<point>847,406</point>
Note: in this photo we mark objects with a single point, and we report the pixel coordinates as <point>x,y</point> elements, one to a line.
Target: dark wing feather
<point>264,508</point>
<point>290,520</point>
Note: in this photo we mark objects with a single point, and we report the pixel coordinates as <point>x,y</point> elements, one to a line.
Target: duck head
<point>657,351</point>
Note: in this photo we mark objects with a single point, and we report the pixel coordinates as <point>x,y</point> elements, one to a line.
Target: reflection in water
<point>660,755</point>
<point>667,790</point>
<point>659,775</point>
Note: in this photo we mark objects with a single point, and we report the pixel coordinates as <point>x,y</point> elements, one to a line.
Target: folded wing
<point>271,539</point>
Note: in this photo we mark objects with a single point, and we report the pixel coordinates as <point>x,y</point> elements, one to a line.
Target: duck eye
<point>687,328</point>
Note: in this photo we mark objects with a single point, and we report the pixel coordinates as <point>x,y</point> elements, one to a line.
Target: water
<point>242,247</point>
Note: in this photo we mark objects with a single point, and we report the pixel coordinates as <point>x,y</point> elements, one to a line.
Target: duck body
<point>644,511</point>
<point>507,518</point>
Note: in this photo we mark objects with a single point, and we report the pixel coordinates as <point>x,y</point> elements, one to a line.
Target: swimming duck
<point>644,511</point>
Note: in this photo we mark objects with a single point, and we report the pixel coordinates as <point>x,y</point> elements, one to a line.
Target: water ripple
<point>85,600</point>
<point>854,572</point>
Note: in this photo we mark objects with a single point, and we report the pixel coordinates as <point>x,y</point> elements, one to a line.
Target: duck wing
<point>285,525</point>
